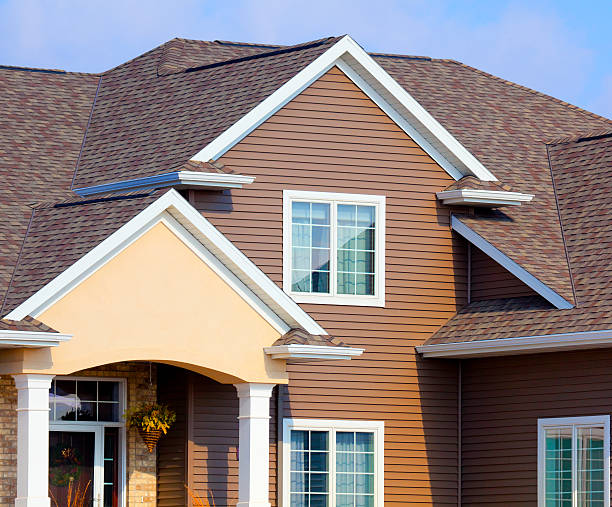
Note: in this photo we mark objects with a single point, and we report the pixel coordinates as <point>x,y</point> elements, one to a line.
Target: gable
<point>158,301</point>
<point>331,134</point>
<point>490,280</point>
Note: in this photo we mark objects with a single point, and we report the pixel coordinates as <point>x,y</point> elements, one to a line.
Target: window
<point>84,400</point>
<point>333,248</point>
<point>332,463</point>
<point>574,462</point>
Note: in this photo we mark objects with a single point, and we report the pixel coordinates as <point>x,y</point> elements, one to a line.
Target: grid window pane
<point>574,461</point>
<point>355,467</point>
<point>590,466</point>
<point>84,400</point>
<point>356,256</point>
<point>309,483</point>
<point>311,247</point>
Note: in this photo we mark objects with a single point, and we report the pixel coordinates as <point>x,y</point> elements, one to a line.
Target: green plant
<point>150,417</point>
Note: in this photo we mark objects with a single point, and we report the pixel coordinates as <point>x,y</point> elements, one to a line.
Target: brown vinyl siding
<point>172,390</point>
<point>491,280</point>
<point>502,401</point>
<point>333,138</point>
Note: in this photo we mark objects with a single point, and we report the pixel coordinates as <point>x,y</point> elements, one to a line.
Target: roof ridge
<point>578,109</point>
<point>46,71</point>
<point>146,53</point>
<point>282,50</point>
<point>248,44</point>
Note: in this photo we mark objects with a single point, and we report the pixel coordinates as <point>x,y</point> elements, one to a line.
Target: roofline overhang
<point>312,352</point>
<point>178,179</point>
<point>254,286</point>
<point>379,86</point>
<point>483,198</point>
<point>31,339</point>
<point>520,345</point>
<point>501,258</point>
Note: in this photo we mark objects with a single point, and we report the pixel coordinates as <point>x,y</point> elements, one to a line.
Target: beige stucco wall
<point>156,301</point>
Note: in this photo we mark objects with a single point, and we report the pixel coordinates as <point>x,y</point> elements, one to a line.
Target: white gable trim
<point>214,248</point>
<point>366,73</point>
<point>501,258</point>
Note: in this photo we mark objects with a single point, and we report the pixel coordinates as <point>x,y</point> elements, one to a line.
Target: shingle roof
<point>153,113</point>
<point>506,127</point>
<point>60,234</point>
<point>582,170</point>
<point>301,337</point>
<point>473,183</point>
<point>26,324</point>
<point>144,124</point>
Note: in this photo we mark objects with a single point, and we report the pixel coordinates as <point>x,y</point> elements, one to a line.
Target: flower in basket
<point>151,420</point>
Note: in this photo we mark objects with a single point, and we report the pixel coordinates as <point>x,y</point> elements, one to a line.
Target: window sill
<point>323,299</point>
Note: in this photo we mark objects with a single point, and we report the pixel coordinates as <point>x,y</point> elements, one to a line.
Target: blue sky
<point>560,47</point>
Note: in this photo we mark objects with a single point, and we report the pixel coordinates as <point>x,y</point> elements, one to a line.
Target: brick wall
<point>141,465</point>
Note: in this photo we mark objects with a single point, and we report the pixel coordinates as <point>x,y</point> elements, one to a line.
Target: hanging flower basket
<point>151,420</point>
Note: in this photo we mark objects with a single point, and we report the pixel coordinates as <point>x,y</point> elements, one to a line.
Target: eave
<point>520,345</point>
<point>312,352</point>
<point>31,339</point>
<point>483,198</point>
<point>178,179</point>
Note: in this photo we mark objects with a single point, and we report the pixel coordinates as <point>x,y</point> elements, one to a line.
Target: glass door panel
<point>72,466</point>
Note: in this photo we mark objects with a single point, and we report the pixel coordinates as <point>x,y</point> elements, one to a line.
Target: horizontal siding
<point>502,401</point>
<point>214,451</point>
<point>333,138</point>
<point>171,449</point>
<point>491,280</point>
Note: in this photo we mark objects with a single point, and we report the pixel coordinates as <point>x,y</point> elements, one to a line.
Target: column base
<point>33,501</point>
<point>253,504</point>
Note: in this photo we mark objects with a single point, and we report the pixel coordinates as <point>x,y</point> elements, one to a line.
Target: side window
<point>333,463</point>
<point>574,462</point>
<point>334,248</point>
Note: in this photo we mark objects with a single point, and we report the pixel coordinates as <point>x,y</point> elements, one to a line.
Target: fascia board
<point>179,178</point>
<point>426,131</point>
<point>519,345</point>
<point>215,242</point>
<point>483,197</point>
<point>312,352</point>
<point>31,339</point>
<point>521,273</point>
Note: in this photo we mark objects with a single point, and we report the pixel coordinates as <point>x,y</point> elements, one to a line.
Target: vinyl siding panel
<point>333,138</point>
<point>502,401</point>
<point>491,280</point>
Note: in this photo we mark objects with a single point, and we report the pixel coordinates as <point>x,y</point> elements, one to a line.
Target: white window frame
<point>96,428</point>
<point>376,427</point>
<point>574,423</point>
<point>378,201</point>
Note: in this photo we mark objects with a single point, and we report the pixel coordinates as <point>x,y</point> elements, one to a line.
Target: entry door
<point>76,465</point>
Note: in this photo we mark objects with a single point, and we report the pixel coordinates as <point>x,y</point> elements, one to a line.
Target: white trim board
<point>520,345</point>
<point>367,74</point>
<point>10,338</point>
<point>257,289</point>
<point>484,198</point>
<point>179,179</point>
<point>501,258</point>
<point>312,352</point>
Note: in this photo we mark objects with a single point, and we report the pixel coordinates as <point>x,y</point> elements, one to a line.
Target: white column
<point>254,444</point>
<point>32,439</point>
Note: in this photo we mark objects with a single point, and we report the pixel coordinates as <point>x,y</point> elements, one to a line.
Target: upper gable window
<point>333,248</point>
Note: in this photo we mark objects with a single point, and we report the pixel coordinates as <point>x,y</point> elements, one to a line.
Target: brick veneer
<point>141,465</point>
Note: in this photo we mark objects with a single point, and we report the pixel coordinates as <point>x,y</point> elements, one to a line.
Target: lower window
<point>574,462</point>
<point>332,463</point>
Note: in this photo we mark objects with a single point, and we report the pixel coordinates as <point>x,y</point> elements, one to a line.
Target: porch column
<point>254,444</point>
<point>32,439</point>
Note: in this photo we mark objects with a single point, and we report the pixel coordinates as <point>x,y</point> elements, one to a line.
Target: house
<point>359,279</point>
